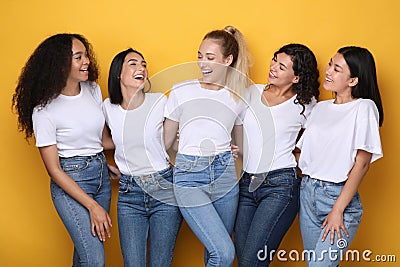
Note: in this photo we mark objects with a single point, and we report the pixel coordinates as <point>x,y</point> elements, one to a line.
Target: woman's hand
<point>100,221</point>
<point>334,223</point>
<point>113,172</point>
<point>235,151</point>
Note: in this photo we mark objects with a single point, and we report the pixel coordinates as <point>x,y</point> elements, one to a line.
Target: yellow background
<point>169,33</point>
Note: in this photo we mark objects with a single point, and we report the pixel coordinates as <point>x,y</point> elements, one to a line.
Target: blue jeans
<point>207,193</point>
<point>316,201</point>
<point>145,208</point>
<point>91,174</point>
<point>265,215</point>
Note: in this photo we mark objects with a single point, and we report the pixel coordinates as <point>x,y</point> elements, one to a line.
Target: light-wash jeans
<point>316,201</point>
<point>143,217</point>
<point>91,174</point>
<point>207,192</point>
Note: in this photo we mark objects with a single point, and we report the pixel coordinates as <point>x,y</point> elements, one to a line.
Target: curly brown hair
<point>304,66</point>
<point>45,74</point>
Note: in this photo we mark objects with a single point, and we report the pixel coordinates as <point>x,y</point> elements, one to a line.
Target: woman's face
<point>80,62</point>
<point>281,71</point>
<point>134,71</point>
<point>213,64</point>
<point>338,75</point>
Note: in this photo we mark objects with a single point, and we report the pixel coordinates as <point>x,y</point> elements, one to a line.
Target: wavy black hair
<point>45,74</point>
<point>362,65</point>
<point>304,66</point>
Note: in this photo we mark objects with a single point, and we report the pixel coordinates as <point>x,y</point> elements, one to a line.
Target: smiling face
<point>134,72</point>
<point>338,77</point>
<point>213,64</point>
<point>79,63</point>
<point>281,71</point>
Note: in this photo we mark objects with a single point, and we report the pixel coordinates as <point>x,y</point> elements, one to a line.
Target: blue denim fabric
<point>265,215</point>
<point>91,174</point>
<point>316,201</point>
<point>207,193</point>
<point>141,213</point>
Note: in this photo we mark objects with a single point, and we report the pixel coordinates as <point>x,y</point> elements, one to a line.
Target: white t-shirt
<point>74,123</point>
<point>138,135</point>
<point>333,135</point>
<point>206,117</point>
<point>270,133</point>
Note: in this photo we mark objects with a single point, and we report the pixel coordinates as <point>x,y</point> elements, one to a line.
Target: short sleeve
<point>241,115</point>
<point>367,130</point>
<point>307,112</point>
<point>105,106</point>
<point>97,94</point>
<point>44,128</point>
<point>172,110</point>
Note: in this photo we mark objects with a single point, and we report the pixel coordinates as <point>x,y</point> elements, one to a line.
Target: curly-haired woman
<point>269,187</point>
<point>58,101</point>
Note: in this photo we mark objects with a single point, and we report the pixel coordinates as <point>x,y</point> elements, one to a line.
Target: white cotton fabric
<point>270,133</point>
<point>138,135</point>
<point>73,123</point>
<point>333,135</point>
<point>206,117</point>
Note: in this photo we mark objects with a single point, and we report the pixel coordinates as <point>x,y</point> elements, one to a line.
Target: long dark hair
<point>304,66</point>
<point>45,74</point>
<point>362,65</point>
<point>114,85</point>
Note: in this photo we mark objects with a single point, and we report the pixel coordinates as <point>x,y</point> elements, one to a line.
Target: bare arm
<point>334,221</point>
<point>101,221</point>
<point>237,141</point>
<point>106,139</point>
<point>170,133</point>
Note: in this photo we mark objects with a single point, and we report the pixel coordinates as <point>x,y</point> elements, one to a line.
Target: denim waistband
<point>246,175</point>
<point>90,157</point>
<point>307,178</point>
<point>152,177</point>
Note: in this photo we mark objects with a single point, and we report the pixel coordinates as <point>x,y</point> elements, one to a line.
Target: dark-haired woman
<point>269,186</point>
<point>147,210</point>
<point>340,141</point>
<point>58,100</point>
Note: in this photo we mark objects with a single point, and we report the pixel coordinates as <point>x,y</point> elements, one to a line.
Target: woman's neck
<point>285,91</point>
<point>71,89</point>
<point>132,99</point>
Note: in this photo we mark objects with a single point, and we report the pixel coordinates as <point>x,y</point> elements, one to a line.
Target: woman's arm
<point>237,141</point>
<point>170,133</point>
<point>106,139</point>
<point>334,221</point>
<point>100,220</point>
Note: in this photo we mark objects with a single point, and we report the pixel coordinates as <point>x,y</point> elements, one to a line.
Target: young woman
<point>58,100</point>
<point>205,111</point>
<point>269,187</point>
<point>147,209</point>
<point>337,147</point>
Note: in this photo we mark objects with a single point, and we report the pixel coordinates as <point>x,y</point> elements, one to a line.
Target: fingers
<point>345,230</point>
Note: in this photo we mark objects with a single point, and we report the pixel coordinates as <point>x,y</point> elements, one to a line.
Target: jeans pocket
<point>332,191</point>
<point>124,186</point>
<point>74,166</point>
<point>185,163</point>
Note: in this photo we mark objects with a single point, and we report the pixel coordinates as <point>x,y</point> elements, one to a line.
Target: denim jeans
<point>91,174</point>
<point>207,193</point>
<point>142,213</point>
<point>316,201</point>
<point>265,215</point>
